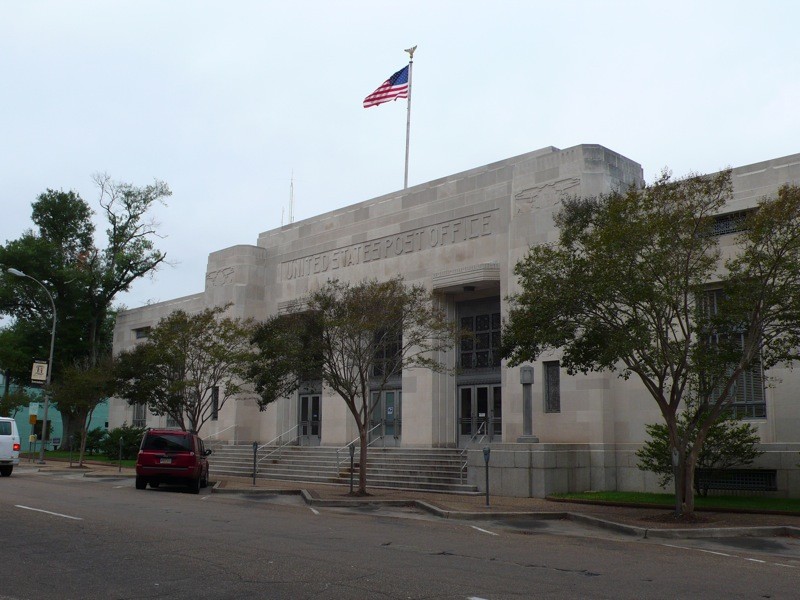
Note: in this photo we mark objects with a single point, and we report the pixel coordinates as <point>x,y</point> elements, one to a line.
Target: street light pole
<point>19,273</point>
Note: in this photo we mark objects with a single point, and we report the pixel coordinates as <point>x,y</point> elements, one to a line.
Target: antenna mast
<point>291,199</point>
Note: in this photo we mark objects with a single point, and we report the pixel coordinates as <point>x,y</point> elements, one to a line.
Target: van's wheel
<point>141,482</point>
<point>194,485</point>
<point>6,470</point>
<point>204,480</point>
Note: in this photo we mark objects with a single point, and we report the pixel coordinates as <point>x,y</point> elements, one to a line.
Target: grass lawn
<point>750,503</point>
<point>64,455</point>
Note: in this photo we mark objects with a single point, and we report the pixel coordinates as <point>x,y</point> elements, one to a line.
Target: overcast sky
<point>226,100</point>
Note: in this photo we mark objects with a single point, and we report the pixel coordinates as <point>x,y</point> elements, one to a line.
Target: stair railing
<point>353,442</point>
<point>382,436</point>
<point>279,449</point>
<point>218,442</point>
<point>463,453</point>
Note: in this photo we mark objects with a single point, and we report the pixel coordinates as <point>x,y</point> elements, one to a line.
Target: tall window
<point>481,349</point>
<point>139,415</point>
<point>749,399</point>
<point>215,403</point>
<point>552,386</point>
<point>387,352</point>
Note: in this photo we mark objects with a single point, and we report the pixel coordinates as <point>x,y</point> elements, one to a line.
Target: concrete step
<point>432,469</point>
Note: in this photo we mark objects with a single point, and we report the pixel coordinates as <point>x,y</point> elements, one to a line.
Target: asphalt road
<point>64,536</point>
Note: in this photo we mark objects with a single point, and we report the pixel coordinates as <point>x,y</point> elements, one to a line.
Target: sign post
<point>486,452</point>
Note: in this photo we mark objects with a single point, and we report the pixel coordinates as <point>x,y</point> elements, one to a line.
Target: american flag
<point>393,88</point>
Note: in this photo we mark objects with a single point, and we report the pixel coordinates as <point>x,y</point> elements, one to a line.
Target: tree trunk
<point>67,427</point>
<point>689,467</point>
<point>362,461</point>
<point>677,458</point>
<point>684,484</point>
<point>87,418</point>
<point>678,479</point>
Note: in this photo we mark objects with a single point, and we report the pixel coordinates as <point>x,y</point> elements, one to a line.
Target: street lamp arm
<point>18,273</point>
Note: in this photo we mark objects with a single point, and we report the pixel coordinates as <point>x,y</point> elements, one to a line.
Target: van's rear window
<point>167,442</point>
<point>5,427</point>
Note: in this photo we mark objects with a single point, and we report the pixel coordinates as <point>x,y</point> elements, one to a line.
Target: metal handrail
<point>347,446</point>
<point>466,448</point>
<point>223,431</point>
<point>280,446</point>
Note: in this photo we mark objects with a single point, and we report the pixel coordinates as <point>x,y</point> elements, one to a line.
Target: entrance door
<point>480,416</point>
<point>385,420</point>
<point>310,423</point>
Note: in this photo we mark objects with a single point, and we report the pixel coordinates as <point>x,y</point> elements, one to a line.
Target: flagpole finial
<point>411,52</point>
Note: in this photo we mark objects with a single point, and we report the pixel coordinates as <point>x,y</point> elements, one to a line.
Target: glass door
<point>310,420</point>
<point>480,416</point>
<point>385,419</point>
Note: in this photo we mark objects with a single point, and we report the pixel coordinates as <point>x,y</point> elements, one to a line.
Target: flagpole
<point>408,117</point>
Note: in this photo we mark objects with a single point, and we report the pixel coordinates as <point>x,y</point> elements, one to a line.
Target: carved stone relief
<point>221,277</point>
<point>546,195</point>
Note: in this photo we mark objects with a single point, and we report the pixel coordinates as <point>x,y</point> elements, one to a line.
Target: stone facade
<point>460,236</point>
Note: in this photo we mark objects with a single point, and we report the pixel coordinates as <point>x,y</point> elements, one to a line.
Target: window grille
<point>737,479</point>
<point>552,386</point>
<point>481,349</point>
<point>749,398</point>
<point>215,403</point>
<point>730,223</point>
<point>139,415</point>
<point>388,349</point>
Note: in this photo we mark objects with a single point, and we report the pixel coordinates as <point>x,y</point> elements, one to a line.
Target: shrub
<point>131,439</point>
<point>729,443</point>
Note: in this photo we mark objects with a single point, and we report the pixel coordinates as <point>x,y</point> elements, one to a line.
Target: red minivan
<point>172,456</point>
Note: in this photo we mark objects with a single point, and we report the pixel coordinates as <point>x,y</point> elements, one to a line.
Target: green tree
<point>355,338</point>
<point>80,390</point>
<point>83,277</point>
<point>189,366</point>
<point>729,443</point>
<point>626,289</point>
<point>13,399</point>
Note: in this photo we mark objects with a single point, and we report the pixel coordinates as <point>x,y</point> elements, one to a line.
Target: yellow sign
<point>32,419</point>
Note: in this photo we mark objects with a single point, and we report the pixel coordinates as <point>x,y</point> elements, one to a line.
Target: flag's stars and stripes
<point>393,88</point>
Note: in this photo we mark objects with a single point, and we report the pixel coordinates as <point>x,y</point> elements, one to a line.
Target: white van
<point>9,445</point>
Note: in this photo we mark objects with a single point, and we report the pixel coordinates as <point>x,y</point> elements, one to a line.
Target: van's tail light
<point>15,448</point>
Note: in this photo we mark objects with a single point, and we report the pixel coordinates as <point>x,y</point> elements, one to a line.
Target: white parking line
<point>484,530</point>
<point>55,514</point>
<point>755,560</point>
<point>697,550</point>
<point>314,510</point>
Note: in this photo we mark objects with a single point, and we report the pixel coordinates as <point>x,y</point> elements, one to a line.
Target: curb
<point>630,530</point>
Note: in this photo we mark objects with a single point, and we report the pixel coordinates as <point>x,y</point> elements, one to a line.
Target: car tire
<point>6,471</point>
<point>204,480</point>
<point>194,485</point>
<point>141,482</point>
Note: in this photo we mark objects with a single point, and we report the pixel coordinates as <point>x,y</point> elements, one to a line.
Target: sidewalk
<point>640,522</point>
